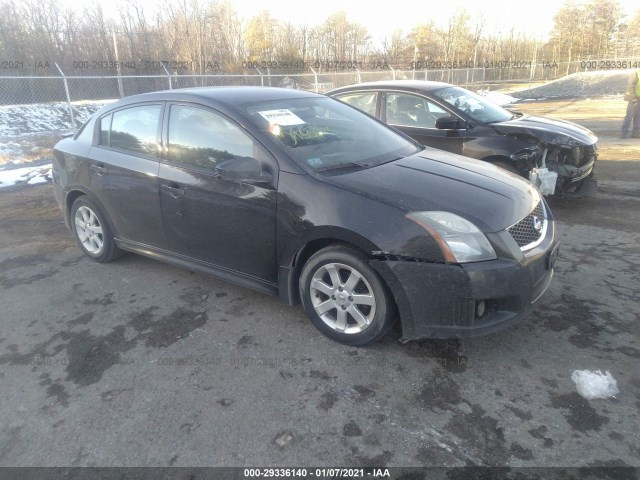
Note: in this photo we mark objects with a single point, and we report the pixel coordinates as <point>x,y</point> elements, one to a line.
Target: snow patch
<point>45,117</point>
<point>26,175</point>
<point>595,384</point>
<point>10,148</point>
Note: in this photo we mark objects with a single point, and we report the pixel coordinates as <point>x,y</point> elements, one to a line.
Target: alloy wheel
<point>343,298</point>
<point>89,230</point>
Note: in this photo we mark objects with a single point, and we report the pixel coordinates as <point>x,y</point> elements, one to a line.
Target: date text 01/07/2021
<point>320,473</point>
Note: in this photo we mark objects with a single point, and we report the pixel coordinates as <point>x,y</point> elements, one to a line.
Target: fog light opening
<point>480,308</point>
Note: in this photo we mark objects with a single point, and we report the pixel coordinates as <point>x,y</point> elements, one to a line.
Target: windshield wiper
<point>343,165</point>
<point>400,158</point>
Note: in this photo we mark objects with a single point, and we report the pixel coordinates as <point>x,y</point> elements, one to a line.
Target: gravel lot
<point>137,363</point>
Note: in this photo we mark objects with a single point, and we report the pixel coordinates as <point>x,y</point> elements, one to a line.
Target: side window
<point>105,127</point>
<point>201,138</point>
<point>135,129</point>
<point>362,101</point>
<point>412,111</point>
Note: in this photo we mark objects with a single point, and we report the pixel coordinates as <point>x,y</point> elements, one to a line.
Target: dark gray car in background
<point>452,118</point>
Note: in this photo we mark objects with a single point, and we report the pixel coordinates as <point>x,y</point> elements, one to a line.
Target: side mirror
<point>449,123</point>
<point>242,169</point>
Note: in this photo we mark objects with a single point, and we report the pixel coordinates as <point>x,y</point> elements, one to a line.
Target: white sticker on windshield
<point>281,117</point>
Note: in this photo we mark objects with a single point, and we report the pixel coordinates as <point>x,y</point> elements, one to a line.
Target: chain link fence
<point>79,90</point>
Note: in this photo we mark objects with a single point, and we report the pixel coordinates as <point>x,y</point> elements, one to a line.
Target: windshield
<point>474,106</point>
<point>325,134</point>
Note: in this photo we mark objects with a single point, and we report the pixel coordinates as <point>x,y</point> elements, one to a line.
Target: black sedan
<point>454,119</point>
<point>303,197</point>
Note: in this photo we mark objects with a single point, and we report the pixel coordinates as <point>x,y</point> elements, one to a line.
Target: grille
<point>524,232</point>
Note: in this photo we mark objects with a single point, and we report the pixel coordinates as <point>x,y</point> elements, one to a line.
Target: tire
<point>345,298</point>
<point>92,231</point>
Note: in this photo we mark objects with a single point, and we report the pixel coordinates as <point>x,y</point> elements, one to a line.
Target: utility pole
<point>118,69</point>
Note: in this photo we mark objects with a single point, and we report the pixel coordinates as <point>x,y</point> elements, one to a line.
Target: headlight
<point>459,239</point>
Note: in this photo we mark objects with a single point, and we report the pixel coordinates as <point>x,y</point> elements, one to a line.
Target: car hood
<point>435,180</point>
<point>550,130</point>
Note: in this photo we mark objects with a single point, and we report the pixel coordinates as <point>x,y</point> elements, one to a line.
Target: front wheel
<point>92,232</point>
<point>344,296</point>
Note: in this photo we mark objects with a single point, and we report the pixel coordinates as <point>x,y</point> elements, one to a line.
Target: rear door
<point>123,171</point>
<point>225,223</point>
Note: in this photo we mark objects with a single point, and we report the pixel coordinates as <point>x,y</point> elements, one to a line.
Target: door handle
<point>173,190</point>
<point>99,169</point>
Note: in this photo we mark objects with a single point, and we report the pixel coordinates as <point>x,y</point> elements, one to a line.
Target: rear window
<point>133,129</point>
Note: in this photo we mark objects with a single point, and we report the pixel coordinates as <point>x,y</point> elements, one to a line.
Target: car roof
<point>225,95</point>
<point>409,85</point>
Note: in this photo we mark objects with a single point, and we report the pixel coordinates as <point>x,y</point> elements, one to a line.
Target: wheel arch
<point>294,260</point>
<point>109,249</point>
<point>76,192</point>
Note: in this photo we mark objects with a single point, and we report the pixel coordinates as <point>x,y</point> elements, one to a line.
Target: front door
<point>416,116</point>
<point>228,224</point>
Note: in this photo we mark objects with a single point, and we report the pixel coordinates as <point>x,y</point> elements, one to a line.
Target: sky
<point>382,19</point>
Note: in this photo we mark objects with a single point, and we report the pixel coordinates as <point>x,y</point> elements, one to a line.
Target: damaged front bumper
<point>573,166</point>
<point>584,186</point>
<point>450,301</point>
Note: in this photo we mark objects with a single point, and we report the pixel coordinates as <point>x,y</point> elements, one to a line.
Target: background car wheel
<point>92,231</point>
<point>344,296</point>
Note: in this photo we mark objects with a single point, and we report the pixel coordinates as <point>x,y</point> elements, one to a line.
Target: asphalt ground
<point>138,363</point>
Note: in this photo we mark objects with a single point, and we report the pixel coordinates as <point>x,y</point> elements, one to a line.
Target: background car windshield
<point>323,133</point>
<point>475,106</point>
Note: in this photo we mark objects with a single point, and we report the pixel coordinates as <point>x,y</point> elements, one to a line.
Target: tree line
<point>208,36</point>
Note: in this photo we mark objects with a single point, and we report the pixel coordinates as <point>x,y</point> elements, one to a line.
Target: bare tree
<point>260,37</point>
<point>203,32</point>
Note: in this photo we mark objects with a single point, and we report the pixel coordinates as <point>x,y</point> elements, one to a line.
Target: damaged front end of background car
<point>557,156</point>
<point>556,163</point>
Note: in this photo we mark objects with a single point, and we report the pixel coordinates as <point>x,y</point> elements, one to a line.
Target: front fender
<point>295,255</point>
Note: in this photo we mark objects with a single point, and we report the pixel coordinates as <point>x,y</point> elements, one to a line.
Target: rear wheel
<point>344,296</point>
<point>92,232</point>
